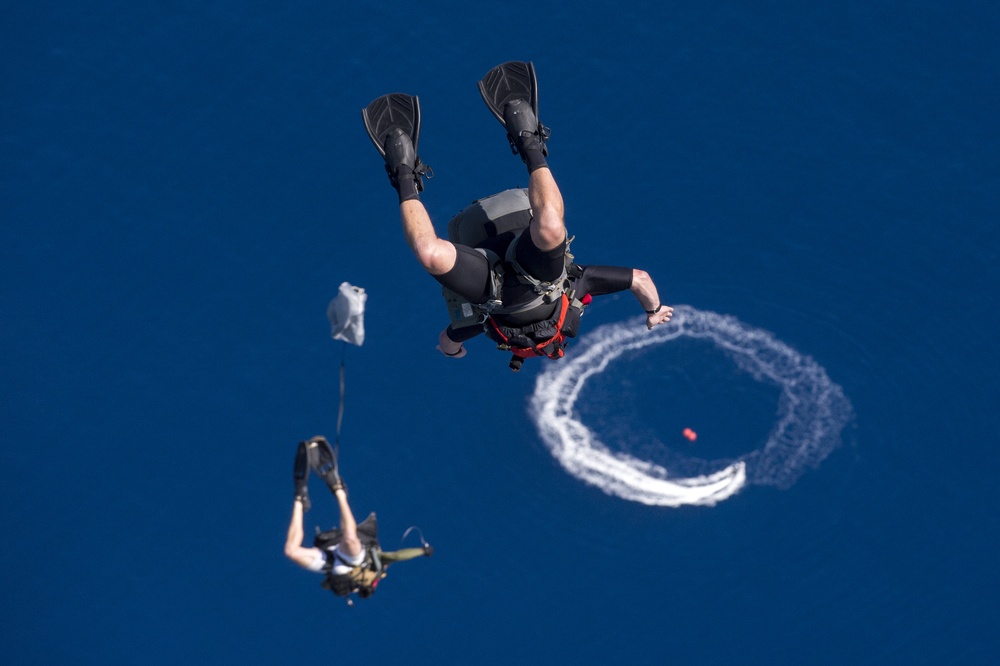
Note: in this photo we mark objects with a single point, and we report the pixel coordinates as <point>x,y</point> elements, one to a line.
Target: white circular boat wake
<point>812,411</point>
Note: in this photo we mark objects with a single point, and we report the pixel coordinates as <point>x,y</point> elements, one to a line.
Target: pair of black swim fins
<point>317,455</point>
<point>510,91</point>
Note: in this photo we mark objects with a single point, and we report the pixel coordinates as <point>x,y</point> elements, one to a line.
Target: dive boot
<point>399,152</point>
<point>524,131</point>
<point>510,91</point>
<point>393,125</point>
<point>301,475</point>
<point>323,459</point>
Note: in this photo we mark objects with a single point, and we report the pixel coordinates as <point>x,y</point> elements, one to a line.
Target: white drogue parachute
<point>346,313</point>
<point>812,412</point>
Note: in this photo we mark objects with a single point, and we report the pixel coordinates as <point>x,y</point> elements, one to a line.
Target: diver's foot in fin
<point>323,460</point>
<point>510,91</point>
<point>399,152</point>
<point>301,475</point>
<point>335,483</point>
<point>526,135</point>
<point>393,125</point>
<point>401,164</point>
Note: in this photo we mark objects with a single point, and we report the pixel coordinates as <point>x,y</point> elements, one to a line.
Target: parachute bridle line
<point>340,409</point>
<point>420,533</point>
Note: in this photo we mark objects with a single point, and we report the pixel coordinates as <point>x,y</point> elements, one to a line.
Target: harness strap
<point>540,348</point>
<point>495,302</point>
<point>371,560</point>
<point>367,574</point>
<point>546,292</point>
<point>541,288</point>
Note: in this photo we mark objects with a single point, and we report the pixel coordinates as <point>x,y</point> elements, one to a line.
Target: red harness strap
<point>537,350</point>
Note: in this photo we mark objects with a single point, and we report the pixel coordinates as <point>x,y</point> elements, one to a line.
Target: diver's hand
<point>645,291</point>
<point>449,347</point>
<point>660,317</point>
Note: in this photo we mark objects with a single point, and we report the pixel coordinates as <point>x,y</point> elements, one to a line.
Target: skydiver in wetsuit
<point>538,261</point>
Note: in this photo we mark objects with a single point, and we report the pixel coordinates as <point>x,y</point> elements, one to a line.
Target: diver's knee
<point>350,545</point>
<point>436,256</point>
<point>548,230</point>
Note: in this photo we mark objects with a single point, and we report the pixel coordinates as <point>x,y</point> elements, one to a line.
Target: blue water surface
<point>185,184</point>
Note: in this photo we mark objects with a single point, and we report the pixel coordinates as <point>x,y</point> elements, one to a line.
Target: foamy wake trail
<point>812,411</point>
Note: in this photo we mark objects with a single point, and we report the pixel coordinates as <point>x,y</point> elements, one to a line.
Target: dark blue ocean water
<point>184,186</point>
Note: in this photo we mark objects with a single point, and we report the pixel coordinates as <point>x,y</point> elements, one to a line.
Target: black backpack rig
<point>510,211</point>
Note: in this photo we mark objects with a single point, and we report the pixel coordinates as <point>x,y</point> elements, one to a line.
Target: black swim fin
<point>393,124</point>
<point>301,476</point>
<point>323,460</point>
<point>507,87</point>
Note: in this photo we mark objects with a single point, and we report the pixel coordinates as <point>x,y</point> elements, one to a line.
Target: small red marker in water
<point>690,434</point>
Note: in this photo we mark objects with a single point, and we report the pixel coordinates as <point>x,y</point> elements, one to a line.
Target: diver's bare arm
<point>645,291</point>
<point>449,347</point>
<point>404,554</point>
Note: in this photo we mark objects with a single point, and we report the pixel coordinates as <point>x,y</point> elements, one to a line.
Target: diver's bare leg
<point>436,255</point>
<point>294,549</point>
<point>548,225</point>
<point>349,542</point>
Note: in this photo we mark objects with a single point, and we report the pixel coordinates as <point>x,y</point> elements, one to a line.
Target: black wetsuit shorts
<point>470,278</point>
